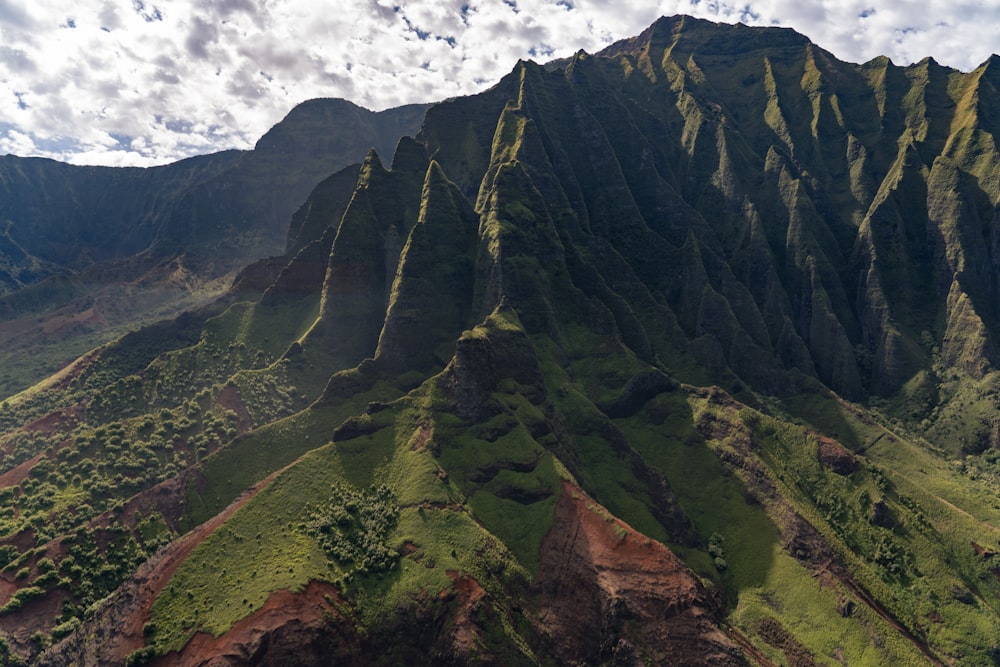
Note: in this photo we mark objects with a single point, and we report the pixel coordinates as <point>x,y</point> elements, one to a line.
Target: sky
<point>146,82</point>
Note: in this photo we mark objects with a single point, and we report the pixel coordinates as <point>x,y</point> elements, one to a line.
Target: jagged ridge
<point>716,204</point>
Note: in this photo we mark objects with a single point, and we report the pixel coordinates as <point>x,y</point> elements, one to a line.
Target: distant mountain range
<point>684,352</point>
<point>71,237</point>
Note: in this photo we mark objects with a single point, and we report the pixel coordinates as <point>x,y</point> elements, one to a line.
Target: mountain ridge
<point>175,234</point>
<point>631,359</point>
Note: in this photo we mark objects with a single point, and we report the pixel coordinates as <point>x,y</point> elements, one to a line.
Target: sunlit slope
<point>677,353</point>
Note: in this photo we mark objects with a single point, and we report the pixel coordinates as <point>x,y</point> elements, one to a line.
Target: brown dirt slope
<point>608,594</point>
<point>116,629</point>
<point>304,628</point>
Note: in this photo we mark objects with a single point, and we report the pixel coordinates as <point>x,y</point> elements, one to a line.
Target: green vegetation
<point>136,226</point>
<point>729,288</point>
<point>352,527</point>
<point>22,596</point>
<point>315,521</point>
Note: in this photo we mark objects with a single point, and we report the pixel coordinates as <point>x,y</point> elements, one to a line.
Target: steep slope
<point>567,383</point>
<point>235,202</point>
<point>174,236</point>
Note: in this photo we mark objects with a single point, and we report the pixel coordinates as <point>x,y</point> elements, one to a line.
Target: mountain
<point>175,235</point>
<point>678,353</point>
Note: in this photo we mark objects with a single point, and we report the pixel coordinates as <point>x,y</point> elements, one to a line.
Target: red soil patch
<point>424,434</point>
<point>286,617</point>
<point>16,329</point>
<point>36,615</point>
<point>602,584</point>
<point>229,399</point>
<point>468,596</point>
<point>7,590</point>
<point>55,421</point>
<point>24,330</point>
<point>18,473</point>
<point>834,456</point>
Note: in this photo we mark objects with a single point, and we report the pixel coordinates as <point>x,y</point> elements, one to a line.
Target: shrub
<point>22,597</point>
<point>140,656</point>
<point>717,550</point>
<point>64,629</point>
<point>8,553</point>
<point>352,527</point>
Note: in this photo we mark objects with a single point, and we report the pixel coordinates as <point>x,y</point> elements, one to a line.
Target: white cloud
<point>16,143</point>
<point>146,82</point>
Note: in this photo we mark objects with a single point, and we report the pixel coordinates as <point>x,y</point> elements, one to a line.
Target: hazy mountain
<point>71,237</point>
<point>679,353</point>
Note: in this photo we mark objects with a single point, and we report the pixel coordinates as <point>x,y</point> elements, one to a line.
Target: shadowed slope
<point>567,383</point>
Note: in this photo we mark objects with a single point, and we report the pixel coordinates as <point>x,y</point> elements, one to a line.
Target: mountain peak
<point>991,64</point>
<point>690,34</point>
<point>311,113</point>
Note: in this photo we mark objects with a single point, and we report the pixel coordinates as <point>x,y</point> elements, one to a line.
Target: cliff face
<point>234,203</point>
<point>87,253</point>
<point>607,594</point>
<point>568,382</point>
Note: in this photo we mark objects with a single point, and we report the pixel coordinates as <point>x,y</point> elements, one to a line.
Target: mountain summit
<point>680,353</point>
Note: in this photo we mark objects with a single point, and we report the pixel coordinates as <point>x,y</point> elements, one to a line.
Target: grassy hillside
<point>679,353</point>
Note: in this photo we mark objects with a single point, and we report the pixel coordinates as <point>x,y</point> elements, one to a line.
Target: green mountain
<point>678,353</point>
<point>174,236</point>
